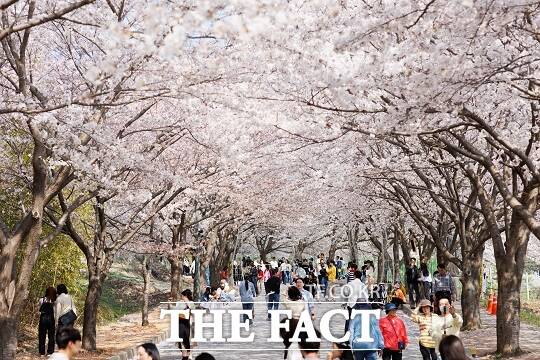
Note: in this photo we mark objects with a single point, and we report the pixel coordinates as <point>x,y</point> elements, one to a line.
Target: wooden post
<point>527,286</point>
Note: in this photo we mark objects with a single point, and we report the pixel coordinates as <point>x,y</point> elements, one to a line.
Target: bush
<point>61,262</point>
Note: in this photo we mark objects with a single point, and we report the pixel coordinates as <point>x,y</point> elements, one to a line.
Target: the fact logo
<point>239,322</point>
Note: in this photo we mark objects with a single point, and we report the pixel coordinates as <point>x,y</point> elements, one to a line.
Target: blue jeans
<point>273,302</point>
<point>324,284</point>
<point>365,355</point>
<point>246,306</point>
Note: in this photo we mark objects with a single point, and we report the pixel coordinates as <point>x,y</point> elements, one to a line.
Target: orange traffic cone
<point>489,303</point>
<point>494,306</point>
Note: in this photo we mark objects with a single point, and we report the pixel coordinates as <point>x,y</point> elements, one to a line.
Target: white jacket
<point>64,303</point>
<point>440,323</point>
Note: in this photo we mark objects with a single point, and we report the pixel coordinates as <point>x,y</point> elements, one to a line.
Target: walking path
<point>484,340</point>
<point>260,349</point>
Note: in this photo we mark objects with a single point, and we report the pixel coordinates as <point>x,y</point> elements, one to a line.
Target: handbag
<point>69,317</point>
<point>400,344</point>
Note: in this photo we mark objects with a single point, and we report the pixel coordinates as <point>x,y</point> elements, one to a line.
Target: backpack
<point>46,311</point>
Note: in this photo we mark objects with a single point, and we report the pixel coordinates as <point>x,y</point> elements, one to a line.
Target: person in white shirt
<point>68,340</point>
<point>307,296</point>
<point>295,302</point>
<point>358,293</point>
<point>445,321</point>
<point>63,305</point>
<point>273,263</point>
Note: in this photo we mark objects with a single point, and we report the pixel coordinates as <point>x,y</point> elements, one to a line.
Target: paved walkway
<point>483,340</point>
<point>260,349</point>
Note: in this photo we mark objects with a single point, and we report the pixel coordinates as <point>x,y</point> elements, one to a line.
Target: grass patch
<point>121,295</point>
<point>529,317</point>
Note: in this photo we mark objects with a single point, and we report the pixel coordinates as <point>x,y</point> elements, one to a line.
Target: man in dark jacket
<point>412,275</point>
<point>272,287</point>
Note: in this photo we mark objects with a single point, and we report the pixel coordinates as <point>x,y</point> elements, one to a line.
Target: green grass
<point>530,318</point>
<point>119,297</point>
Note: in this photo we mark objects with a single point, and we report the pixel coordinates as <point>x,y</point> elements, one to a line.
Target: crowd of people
<point>298,286</point>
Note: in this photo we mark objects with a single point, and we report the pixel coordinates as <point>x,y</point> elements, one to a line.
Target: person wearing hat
<point>398,297</point>
<point>423,315</point>
<point>394,333</point>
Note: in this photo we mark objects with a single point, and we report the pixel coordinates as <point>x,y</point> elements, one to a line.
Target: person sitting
<point>398,297</point>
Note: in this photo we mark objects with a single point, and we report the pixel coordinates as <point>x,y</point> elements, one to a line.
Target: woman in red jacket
<point>394,333</point>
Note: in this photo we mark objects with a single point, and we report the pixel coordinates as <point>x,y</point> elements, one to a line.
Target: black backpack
<point>46,311</point>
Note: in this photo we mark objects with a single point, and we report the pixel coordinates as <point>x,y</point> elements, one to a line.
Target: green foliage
<point>528,316</point>
<point>61,262</point>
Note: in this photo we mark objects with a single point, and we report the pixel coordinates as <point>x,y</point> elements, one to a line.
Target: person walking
<point>446,321</point>
<point>332,276</point>
<point>370,273</point>
<point>394,333</point>
<point>64,309</point>
<point>68,341</point>
<point>247,295</point>
<point>285,272</point>
<point>443,284</point>
<point>185,303</point>
<point>423,316</point>
<point>425,280</point>
<point>365,350</point>
<point>412,274</point>
<point>272,287</point>
<point>323,279</point>
<point>358,294</point>
<point>47,323</point>
<point>339,267</point>
<point>352,267</point>
<point>307,296</point>
<point>295,302</point>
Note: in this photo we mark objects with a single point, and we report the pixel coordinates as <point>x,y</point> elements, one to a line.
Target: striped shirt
<point>425,337</point>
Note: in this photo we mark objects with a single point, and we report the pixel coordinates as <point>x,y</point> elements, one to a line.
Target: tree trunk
<point>471,290</point>
<point>395,257</point>
<point>198,278</point>
<point>176,276</point>
<point>146,290</point>
<point>91,304</point>
<point>352,236</point>
<point>8,337</point>
<point>380,267</point>
<point>332,251</point>
<point>509,276</point>
<point>440,257</point>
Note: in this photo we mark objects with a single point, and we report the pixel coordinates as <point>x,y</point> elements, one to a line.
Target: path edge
<point>129,353</point>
